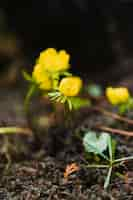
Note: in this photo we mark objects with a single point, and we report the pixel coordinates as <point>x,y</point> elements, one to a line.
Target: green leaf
<point>94,90</point>
<point>59,99</point>
<point>94,144</point>
<point>123,108</point>
<point>66,73</point>
<point>70,106</point>
<point>72,102</point>
<point>54,95</point>
<point>27,76</point>
<point>63,100</point>
<point>78,102</point>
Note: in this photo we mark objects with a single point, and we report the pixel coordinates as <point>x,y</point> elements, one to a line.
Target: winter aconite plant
<point>120,97</point>
<point>51,78</point>
<point>103,146</point>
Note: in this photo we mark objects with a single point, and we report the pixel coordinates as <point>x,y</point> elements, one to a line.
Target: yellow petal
<point>54,61</point>
<point>42,78</point>
<point>117,95</point>
<point>70,86</point>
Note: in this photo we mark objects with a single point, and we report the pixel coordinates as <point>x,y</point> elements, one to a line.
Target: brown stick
<point>113,115</point>
<point>112,130</point>
<point>15,130</point>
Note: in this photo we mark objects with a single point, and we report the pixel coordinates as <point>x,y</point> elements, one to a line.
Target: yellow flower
<point>117,95</point>
<point>62,62</point>
<point>70,86</point>
<point>54,61</point>
<point>42,78</point>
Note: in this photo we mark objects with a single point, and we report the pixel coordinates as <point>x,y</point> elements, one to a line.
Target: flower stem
<point>30,93</point>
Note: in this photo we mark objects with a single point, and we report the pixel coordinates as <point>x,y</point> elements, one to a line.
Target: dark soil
<point>38,162</point>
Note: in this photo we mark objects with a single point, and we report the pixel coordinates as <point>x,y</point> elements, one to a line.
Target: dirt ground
<point>38,162</point>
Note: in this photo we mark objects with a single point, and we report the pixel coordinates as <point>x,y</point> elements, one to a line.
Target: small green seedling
<point>103,146</point>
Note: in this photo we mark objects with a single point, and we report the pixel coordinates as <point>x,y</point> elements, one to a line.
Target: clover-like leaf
<point>94,144</point>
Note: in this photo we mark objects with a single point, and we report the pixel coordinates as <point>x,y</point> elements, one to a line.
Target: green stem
<point>110,149</point>
<point>123,159</point>
<point>14,130</point>
<point>107,181</point>
<point>97,166</point>
<point>28,96</point>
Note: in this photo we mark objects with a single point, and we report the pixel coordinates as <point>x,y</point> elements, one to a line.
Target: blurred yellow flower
<point>70,86</point>
<point>117,95</point>
<point>54,61</point>
<point>42,78</point>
